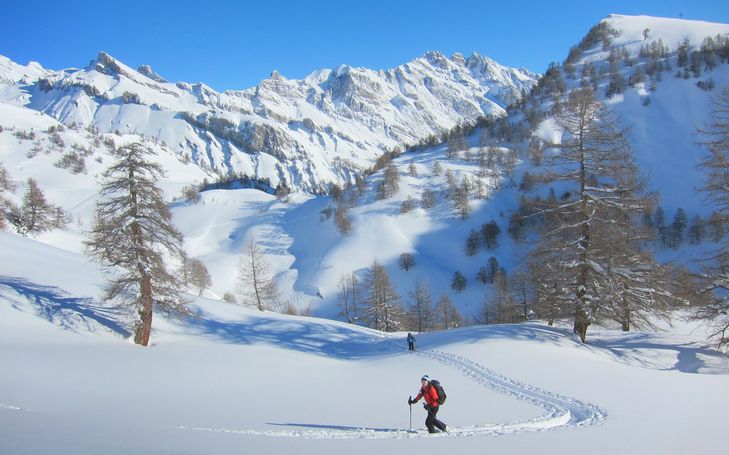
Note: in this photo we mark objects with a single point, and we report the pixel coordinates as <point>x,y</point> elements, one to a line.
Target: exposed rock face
<point>147,71</point>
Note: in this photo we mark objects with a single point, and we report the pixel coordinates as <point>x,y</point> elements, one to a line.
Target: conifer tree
<point>459,282</point>
<point>382,304</point>
<point>349,297</point>
<point>490,233</point>
<point>715,164</point>
<point>406,261</point>
<point>696,230</point>
<point>473,243</point>
<point>447,315</point>
<point>602,193</point>
<point>36,214</point>
<point>390,183</point>
<point>199,276</point>
<point>5,182</point>
<point>133,237</point>
<point>420,310</point>
<point>256,283</point>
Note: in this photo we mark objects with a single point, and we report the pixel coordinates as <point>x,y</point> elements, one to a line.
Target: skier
<point>411,342</point>
<point>430,394</point>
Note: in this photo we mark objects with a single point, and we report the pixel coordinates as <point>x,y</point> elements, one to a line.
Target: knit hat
<point>425,378</point>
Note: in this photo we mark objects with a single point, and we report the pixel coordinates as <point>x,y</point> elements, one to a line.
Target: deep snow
<point>237,379</point>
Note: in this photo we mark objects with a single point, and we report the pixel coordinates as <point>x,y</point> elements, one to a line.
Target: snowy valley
<point>233,379</point>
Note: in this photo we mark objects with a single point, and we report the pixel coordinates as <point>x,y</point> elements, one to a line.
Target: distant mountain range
<point>306,134</point>
<point>58,127</point>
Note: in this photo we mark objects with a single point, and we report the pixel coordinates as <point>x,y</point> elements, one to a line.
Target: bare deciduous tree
<point>342,220</point>
<point>420,310</point>
<point>256,285</point>
<point>199,275</point>
<point>349,297</point>
<point>447,315</point>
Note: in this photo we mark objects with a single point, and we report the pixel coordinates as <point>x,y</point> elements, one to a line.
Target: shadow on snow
<point>632,347</point>
<point>314,426</point>
<point>329,339</point>
<point>70,313</point>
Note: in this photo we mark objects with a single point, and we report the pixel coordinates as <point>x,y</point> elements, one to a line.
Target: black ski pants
<point>431,421</point>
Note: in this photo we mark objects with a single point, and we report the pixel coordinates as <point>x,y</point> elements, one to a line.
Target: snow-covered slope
<point>663,108</point>
<point>305,134</point>
<point>270,383</point>
<point>307,253</point>
<point>236,379</point>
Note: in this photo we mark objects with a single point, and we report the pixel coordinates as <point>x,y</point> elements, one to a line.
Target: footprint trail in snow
<point>560,411</point>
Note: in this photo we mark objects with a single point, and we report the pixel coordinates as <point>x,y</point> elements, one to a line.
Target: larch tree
<point>199,275</point>
<point>406,261</point>
<point>6,184</point>
<point>551,298</point>
<point>715,164</point>
<point>458,282</point>
<point>390,183</point>
<point>382,303</point>
<point>36,214</point>
<point>446,314</point>
<point>603,199</point>
<point>256,283</point>
<point>134,238</point>
<point>502,302</point>
<point>349,297</point>
<point>420,310</point>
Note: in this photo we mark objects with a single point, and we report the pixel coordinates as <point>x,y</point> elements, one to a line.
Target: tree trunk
<point>581,323</point>
<point>625,323</point>
<point>144,326</point>
<point>581,320</point>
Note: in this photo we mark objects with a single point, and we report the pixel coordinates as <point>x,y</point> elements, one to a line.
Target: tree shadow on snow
<point>70,313</point>
<point>643,349</point>
<point>315,426</point>
<point>526,331</point>
<point>634,347</point>
<point>324,339</point>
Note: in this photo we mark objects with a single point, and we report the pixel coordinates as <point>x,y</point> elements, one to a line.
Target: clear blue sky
<point>234,44</point>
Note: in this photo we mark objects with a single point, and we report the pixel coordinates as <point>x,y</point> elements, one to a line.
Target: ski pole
<point>411,412</point>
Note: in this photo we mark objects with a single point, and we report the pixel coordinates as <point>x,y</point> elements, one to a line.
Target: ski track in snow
<point>561,411</point>
<point>11,407</point>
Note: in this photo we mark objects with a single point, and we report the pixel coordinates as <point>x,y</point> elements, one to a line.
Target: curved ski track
<point>561,411</point>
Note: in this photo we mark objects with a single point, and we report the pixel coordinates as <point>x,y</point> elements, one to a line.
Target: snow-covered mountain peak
<point>436,58</point>
<point>306,134</point>
<point>13,73</point>
<point>147,70</point>
<point>106,64</point>
<point>459,59</point>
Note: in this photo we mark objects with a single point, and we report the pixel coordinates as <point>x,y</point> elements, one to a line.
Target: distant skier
<point>429,392</point>
<point>411,342</point>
